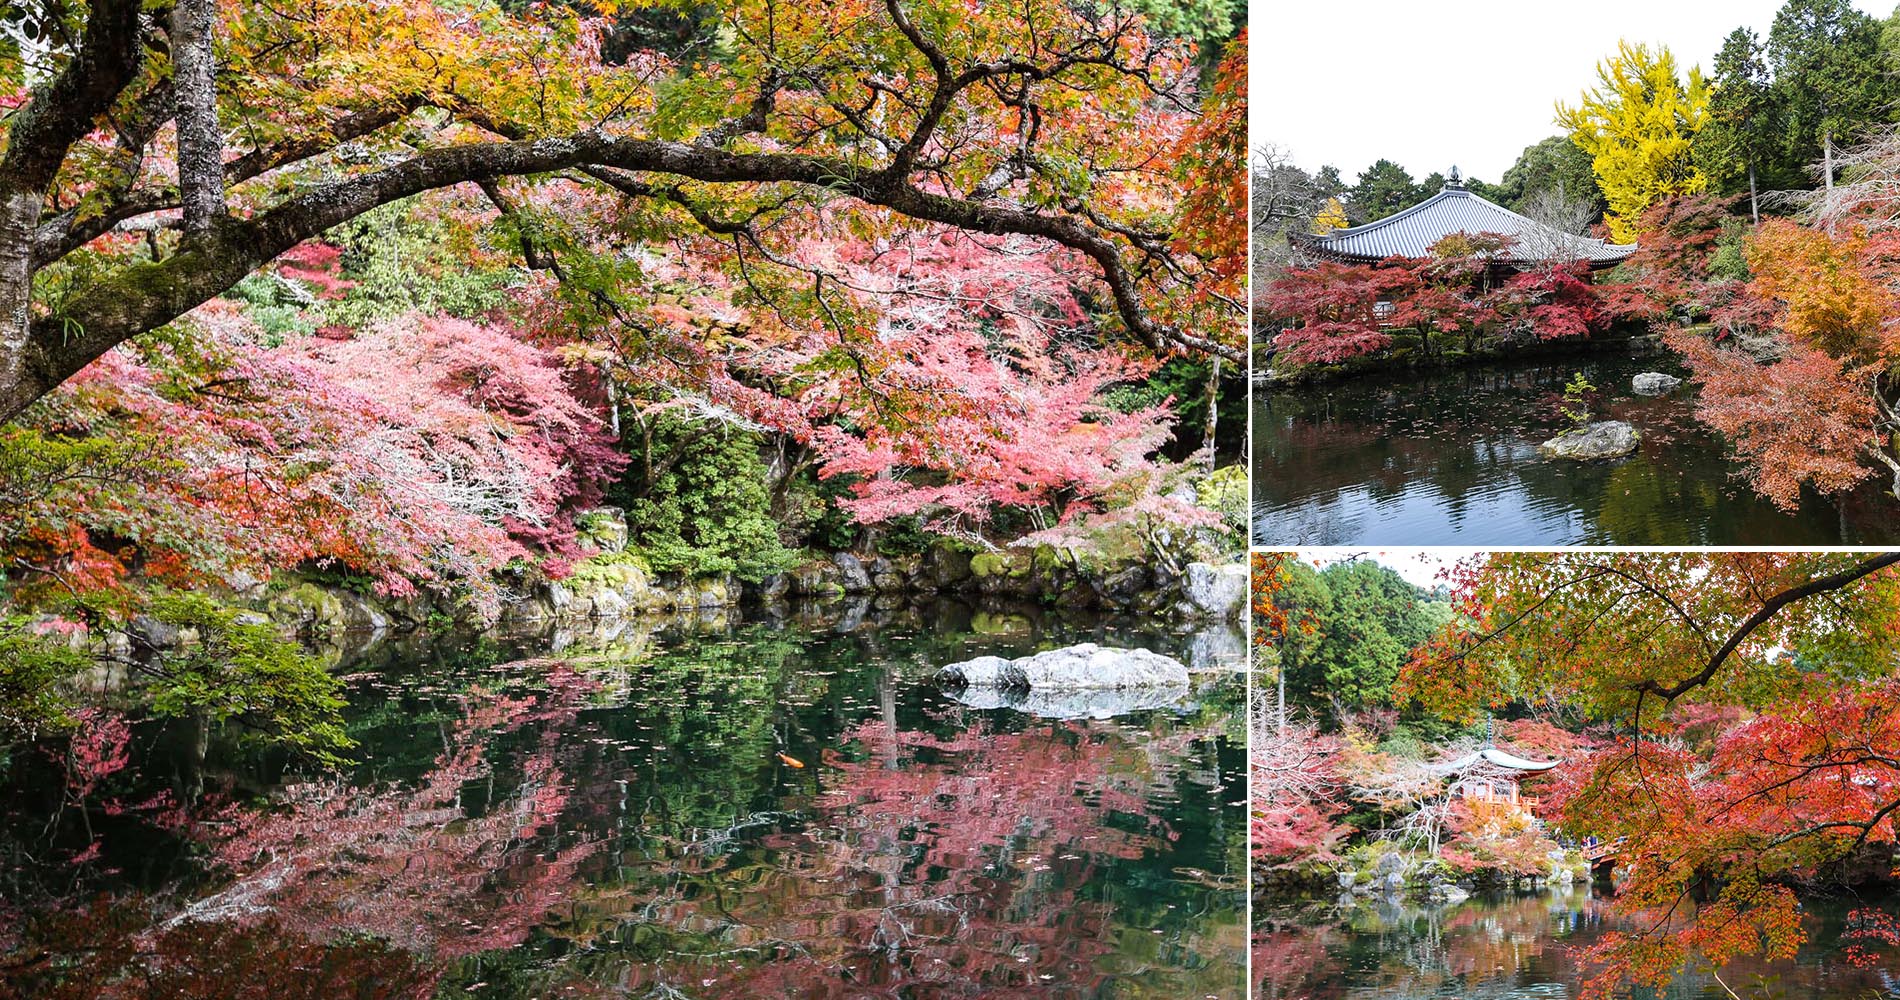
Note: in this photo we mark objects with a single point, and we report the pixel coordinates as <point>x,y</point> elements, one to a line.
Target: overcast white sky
<point>1419,566</point>
<point>1433,85</point>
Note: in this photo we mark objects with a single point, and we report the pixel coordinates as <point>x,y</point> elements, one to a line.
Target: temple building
<point>1491,775</point>
<point>1414,231</point>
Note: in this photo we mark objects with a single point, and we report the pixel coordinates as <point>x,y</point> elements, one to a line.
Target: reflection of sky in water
<point>1450,457</point>
<point>1417,515</point>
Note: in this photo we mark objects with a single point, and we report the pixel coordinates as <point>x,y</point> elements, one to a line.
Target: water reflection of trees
<point>1527,945</point>
<point>745,820</point>
<point>1491,946</point>
<point>1457,441</point>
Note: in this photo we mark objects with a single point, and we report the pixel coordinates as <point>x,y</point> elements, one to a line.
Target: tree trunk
<point>1754,197</point>
<point>1827,174</point>
<point>1213,409</point>
<point>1827,161</point>
<point>200,138</point>
<point>19,210</point>
<point>1281,707</point>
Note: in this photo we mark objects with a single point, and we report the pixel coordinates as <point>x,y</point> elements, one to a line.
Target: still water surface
<point>1516,946</point>
<point>1450,458</point>
<point>711,809</point>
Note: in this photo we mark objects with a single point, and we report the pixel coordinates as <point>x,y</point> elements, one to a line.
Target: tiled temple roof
<point>1412,232</point>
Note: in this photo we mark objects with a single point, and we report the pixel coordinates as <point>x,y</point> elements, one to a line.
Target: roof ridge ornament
<point>1455,182</point>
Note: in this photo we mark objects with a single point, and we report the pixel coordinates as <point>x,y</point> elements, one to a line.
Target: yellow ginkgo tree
<point>1330,217</point>
<point>1637,126</point>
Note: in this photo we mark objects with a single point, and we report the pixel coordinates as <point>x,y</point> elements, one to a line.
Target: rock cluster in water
<point>1654,383</point>
<point>1130,581</point>
<point>1603,439</point>
<point>615,584</point>
<point>1081,667</point>
<point>1081,681</point>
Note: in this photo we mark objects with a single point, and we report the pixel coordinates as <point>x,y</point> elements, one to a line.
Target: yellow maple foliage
<point>1831,301</point>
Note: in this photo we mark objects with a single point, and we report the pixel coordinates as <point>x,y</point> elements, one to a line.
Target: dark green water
<point>1450,458</point>
<point>708,809</point>
<point>1517,946</point>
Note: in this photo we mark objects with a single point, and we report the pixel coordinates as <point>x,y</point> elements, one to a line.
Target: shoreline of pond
<point>1402,358</point>
<point>1450,457</point>
<point>1400,948</point>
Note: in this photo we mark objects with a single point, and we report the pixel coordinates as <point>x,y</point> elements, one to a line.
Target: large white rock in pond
<point>1604,439</point>
<point>1218,592</point>
<point>1654,383</point>
<point>1088,666</point>
<point>983,672</point>
<point>1084,667</point>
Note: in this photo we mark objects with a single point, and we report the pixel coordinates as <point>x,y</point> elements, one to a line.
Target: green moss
<point>617,568</point>
<point>987,564</point>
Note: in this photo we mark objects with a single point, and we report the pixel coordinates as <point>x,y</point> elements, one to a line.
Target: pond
<point>1517,945</point>
<point>1449,457</point>
<point>705,808</point>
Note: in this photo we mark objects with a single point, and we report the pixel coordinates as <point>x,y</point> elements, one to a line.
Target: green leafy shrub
<point>1225,492</point>
<point>705,508</point>
<point>239,670</point>
<point>903,536</point>
<point>1730,260</point>
<point>32,667</point>
<point>404,261</point>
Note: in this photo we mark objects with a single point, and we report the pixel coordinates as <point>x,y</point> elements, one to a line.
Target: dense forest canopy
<point>987,122</point>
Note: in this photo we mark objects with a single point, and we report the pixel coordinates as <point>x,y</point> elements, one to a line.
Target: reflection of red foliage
<point>1293,963</point>
<point>412,866</point>
<point>105,952</point>
<point>960,857</point>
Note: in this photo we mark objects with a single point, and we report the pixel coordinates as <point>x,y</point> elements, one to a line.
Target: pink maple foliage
<point>424,449</point>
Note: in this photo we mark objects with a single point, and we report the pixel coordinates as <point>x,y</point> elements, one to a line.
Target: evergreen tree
<point>1555,165</point>
<point>1738,148</point>
<point>1365,620</point>
<point>1829,79</point>
<point>1383,189</point>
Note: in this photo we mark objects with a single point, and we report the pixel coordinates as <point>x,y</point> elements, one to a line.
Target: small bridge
<point>1602,856</point>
